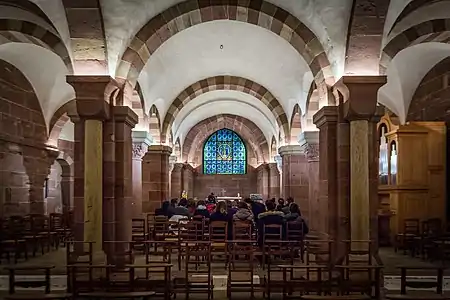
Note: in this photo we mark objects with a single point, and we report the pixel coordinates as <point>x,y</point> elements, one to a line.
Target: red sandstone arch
<point>431,98</point>
<point>249,132</point>
<point>190,13</point>
<point>296,124</point>
<point>59,119</point>
<point>225,83</point>
<point>154,124</point>
<point>28,31</point>
<point>436,30</point>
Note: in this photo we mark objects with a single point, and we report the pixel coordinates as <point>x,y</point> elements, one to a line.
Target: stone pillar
<point>262,181</point>
<point>363,113</point>
<point>176,185</point>
<point>109,191</point>
<point>274,181</point>
<point>172,162</point>
<point>125,119</point>
<point>295,174</point>
<point>326,120</point>
<point>188,174</point>
<point>155,177</point>
<point>309,141</point>
<point>92,111</point>
<point>141,141</point>
<point>38,163</point>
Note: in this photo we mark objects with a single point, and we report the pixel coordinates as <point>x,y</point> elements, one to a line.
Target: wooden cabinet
<point>412,172</point>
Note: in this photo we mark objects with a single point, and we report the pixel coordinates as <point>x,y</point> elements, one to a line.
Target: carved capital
<point>312,152</point>
<point>139,150</point>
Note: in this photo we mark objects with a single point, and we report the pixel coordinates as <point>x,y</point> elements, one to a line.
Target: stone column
<point>363,113</point>
<point>38,163</point>
<point>187,175</point>
<point>295,174</point>
<point>155,177</point>
<point>309,141</point>
<point>109,191</point>
<point>176,185</point>
<point>262,180</point>
<point>141,141</point>
<point>274,181</point>
<point>326,120</point>
<point>92,111</point>
<point>125,119</point>
<point>172,162</point>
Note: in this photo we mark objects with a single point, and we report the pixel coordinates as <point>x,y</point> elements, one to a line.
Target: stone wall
<point>232,184</point>
<point>431,101</point>
<point>24,160</point>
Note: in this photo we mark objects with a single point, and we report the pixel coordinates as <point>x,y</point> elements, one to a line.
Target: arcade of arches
<point>106,107</point>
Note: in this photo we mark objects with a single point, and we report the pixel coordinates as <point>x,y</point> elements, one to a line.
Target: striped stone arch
<point>154,124</point>
<point>225,83</point>
<point>193,12</point>
<point>59,119</point>
<point>430,31</point>
<point>19,31</point>
<point>296,124</point>
<point>253,137</point>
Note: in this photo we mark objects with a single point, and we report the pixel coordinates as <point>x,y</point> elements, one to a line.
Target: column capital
<point>177,167</point>
<point>327,114</point>
<point>141,141</point>
<point>163,149</point>
<point>360,95</point>
<point>290,149</point>
<point>92,94</point>
<point>188,166</point>
<point>126,115</point>
<point>309,141</point>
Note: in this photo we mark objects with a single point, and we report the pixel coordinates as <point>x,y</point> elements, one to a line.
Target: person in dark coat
<point>256,207</point>
<point>221,213</point>
<point>295,219</point>
<point>201,210</point>
<point>163,210</point>
<point>271,216</point>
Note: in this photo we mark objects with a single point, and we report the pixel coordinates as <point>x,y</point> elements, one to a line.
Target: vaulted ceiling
<point>197,59</point>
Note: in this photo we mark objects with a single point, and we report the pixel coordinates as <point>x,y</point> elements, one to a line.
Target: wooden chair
<point>294,234</point>
<point>318,252</point>
<point>15,239</point>
<point>241,273</point>
<point>77,254</point>
<point>328,297</point>
<point>242,230</point>
<point>197,273</point>
<point>138,232</point>
<point>218,236</point>
<point>360,279</point>
<point>405,240</point>
<point>157,278</point>
<point>191,232</point>
<point>32,283</point>
<point>425,284</point>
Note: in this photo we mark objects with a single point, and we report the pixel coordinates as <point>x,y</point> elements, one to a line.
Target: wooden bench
<point>33,296</point>
<point>125,295</point>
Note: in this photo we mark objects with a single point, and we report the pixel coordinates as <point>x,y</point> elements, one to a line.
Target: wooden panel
<point>412,166</point>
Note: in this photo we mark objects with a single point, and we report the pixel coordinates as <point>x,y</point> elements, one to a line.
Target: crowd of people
<point>257,212</point>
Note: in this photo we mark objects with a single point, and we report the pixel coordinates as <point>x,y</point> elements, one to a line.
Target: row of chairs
<point>36,233</point>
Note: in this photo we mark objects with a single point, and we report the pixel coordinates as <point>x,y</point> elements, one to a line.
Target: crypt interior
<point>108,108</point>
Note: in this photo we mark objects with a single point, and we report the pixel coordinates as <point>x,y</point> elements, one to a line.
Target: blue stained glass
<point>224,152</point>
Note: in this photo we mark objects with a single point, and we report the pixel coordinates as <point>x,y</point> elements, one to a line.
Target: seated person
<point>271,216</point>
<point>294,217</point>
<point>221,213</point>
<point>181,209</point>
<point>255,207</point>
<point>281,204</point>
<point>289,201</point>
<point>163,210</point>
<point>201,210</point>
<point>243,213</point>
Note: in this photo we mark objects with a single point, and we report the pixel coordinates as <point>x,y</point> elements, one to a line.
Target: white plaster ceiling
<point>67,132</point>
<point>50,85</point>
<point>327,19</point>
<point>232,107</point>
<point>439,10</point>
<point>248,51</point>
<point>192,108</point>
<point>403,82</point>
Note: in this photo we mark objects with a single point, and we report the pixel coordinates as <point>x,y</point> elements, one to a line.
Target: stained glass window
<point>224,152</point>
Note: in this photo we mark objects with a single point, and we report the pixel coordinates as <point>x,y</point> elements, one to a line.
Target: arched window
<point>224,152</point>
